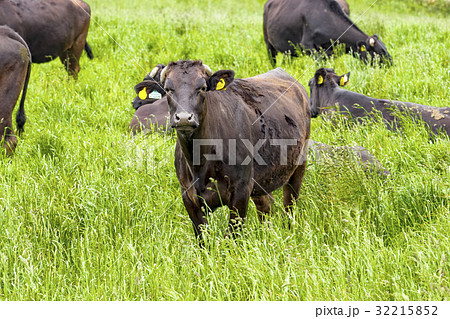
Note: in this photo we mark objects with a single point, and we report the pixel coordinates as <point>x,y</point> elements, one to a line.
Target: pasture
<point>89,212</point>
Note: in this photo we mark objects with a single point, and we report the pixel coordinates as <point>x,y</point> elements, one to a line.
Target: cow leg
<point>307,44</point>
<point>7,135</point>
<point>272,54</point>
<point>291,190</point>
<point>238,209</point>
<point>71,57</point>
<point>70,63</point>
<point>263,206</point>
<point>11,83</point>
<point>270,49</point>
<point>197,216</point>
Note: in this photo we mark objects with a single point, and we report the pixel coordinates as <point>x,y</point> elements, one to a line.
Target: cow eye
<point>203,88</point>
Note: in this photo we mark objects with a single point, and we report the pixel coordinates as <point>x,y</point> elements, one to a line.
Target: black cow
<point>15,66</point>
<point>51,28</point>
<point>152,110</point>
<point>318,152</point>
<point>327,96</point>
<point>236,138</point>
<point>314,25</point>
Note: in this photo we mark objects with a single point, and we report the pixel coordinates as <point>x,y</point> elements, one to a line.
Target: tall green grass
<point>89,212</point>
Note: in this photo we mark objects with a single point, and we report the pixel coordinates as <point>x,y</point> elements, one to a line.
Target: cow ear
<point>362,46</point>
<point>320,76</point>
<point>344,79</point>
<point>220,80</point>
<point>149,90</point>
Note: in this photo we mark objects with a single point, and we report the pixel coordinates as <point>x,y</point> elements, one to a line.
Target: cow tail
<point>20,116</point>
<point>88,51</point>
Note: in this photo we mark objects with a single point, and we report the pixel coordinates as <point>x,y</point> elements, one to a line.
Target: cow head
<point>186,84</point>
<point>149,90</point>
<point>374,48</point>
<point>321,86</point>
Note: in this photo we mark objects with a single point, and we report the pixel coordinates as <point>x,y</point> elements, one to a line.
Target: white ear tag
<point>155,95</point>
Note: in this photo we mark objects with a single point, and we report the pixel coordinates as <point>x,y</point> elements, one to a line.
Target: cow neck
<point>186,145</point>
<point>187,141</point>
<point>330,97</point>
<point>347,32</point>
<point>352,36</point>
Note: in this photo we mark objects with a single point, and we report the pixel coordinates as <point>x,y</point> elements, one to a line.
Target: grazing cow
<point>236,139</point>
<point>152,110</point>
<point>326,96</point>
<point>318,151</point>
<point>15,66</point>
<point>314,25</point>
<point>51,28</point>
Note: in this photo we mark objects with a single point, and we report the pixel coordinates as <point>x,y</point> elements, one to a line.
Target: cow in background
<point>51,28</point>
<point>327,96</point>
<point>15,66</point>
<point>314,25</point>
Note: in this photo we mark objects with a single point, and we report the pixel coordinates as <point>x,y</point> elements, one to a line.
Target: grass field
<point>89,212</point>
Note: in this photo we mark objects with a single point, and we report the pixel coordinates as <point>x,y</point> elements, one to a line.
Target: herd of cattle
<point>255,119</point>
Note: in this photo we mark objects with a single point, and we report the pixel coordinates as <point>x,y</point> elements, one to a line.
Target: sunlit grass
<point>89,212</point>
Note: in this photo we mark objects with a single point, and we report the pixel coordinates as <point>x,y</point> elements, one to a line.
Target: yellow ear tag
<point>221,85</point>
<point>363,48</point>
<point>143,94</point>
<point>344,80</point>
<point>320,80</point>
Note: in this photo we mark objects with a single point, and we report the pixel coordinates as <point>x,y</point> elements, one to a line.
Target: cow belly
<point>277,172</point>
<point>283,38</point>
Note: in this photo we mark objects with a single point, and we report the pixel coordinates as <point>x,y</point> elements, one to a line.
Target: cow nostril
<point>184,119</point>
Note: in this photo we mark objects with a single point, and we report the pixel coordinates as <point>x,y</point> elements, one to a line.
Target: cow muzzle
<point>184,121</point>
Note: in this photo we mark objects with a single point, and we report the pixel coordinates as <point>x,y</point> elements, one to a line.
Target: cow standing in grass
<point>236,138</point>
<point>314,25</point>
<point>51,28</point>
<point>15,65</point>
<point>326,96</point>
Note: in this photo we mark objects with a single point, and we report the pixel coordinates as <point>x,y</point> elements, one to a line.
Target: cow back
<point>273,107</point>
